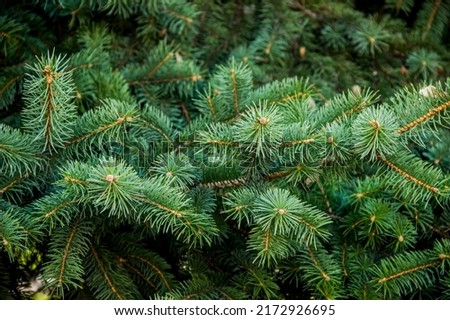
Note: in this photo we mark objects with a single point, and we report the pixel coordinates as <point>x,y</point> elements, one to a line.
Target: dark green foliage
<point>225,149</point>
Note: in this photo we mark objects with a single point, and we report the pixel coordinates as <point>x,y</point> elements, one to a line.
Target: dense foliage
<point>247,149</point>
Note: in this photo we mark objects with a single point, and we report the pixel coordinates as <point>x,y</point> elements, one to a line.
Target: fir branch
<point>158,66</point>
<point>192,77</point>
<point>11,183</point>
<point>407,271</point>
<point>100,129</point>
<point>233,83</point>
<point>176,213</point>
<point>105,124</point>
<point>178,15</point>
<point>116,293</point>
<point>8,84</point>
<point>155,120</point>
<point>345,105</point>
<point>18,154</point>
<point>12,234</point>
<point>69,245</point>
<point>155,268</point>
<point>431,113</point>
<point>126,263</point>
<point>432,15</point>
<point>403,273</point>
<point>408,176</point>
<point>56,209</point>
<point>224,183</point>
<point>324,275</point>
<point>50,113</point>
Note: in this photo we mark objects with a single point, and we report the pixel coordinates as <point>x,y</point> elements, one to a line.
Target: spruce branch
<point>55,210</point>
<point>12,233</point>
<point>155,121</point>
<point>421,111</point>
<point>284,91</point>
<point>374,132</point>
<point>18,154</point>
<point>405,272</point>
<point>64,268</point>
<point>412,178</point>
<point>232,83</point>
<point>103,125</point>
<point>113,187</point>
<point>50,113</point>
<point>106,277</point>
<point>345,105</point>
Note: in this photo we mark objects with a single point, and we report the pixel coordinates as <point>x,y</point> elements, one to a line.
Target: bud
<point>356,89</point>
<point>404,71</point>
<point>302,52</point>
<point>263,121</point>
<point>428,92</point>
<point>111,178</point>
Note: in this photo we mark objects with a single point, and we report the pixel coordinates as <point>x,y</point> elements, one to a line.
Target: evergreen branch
<point>66,252</point>
<point>222,143</point>
<point>327,201</point>
<point>12,234</point>
<point>431,113</point>
<point>176,213</point>
<point>75,181</point>
<point>281,92</point>
<point>118,122</point>
<point>171,210</point>
<point>11,184</point>
<point>211,106</point>
<point>125,262</point>
<point>296,142</point>
<point>178,15</point>
<point>193,77</point>
<point>18,155</point>
<point>406,272</point>
<point>233,84</point>
<point>437,4</point>
<point>224,183</point>
<point>238,204</point>
<point>176,169</point>
<point>154,267</point>
<point>185,112</point>
<point>270,247</point>
<point>155,120</point>
<point>48,103</point>
<point>345,105</point>
<point>234,90</point>
<point>263,282</point>
<point>54,207</point>
<point>295,96</point>
<point>277,174</point>
<point>374,133</point>
<point>9,84</point>
<point>49,113</point>
<point>285,215</point>
<point>158,66</point>
<point>408,176</point>
<point>64,268</point>
<point>316,263</point>
<point>113,187</point>
<point>410,270</point>
<point>106,277</point>
<point>343,259</point>
<point>58,208</point>
<point>320,273</point>
<point>260,130</point>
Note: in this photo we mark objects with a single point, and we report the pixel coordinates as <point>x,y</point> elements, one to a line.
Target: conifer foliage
<point>199,149</point>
